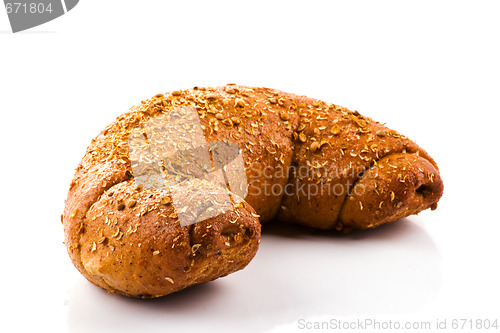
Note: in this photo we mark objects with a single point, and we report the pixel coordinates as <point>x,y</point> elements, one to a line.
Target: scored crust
<point>128,240</point>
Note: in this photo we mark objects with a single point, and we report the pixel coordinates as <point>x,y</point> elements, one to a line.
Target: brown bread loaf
<point>306,162</point>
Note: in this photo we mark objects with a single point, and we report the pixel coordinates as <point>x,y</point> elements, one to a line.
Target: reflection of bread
<point>307,162</point>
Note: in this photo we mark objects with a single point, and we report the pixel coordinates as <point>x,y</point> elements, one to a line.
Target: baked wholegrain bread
<point>306,162</point>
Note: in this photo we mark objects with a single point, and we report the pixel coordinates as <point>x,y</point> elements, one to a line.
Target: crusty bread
<point>306,162</point>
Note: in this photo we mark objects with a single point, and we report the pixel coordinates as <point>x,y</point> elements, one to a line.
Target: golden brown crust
<point>134,245</point>
<point>289,143</point>
<point>404,184</point>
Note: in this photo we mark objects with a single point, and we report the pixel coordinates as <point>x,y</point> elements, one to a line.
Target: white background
<point>429,69</point>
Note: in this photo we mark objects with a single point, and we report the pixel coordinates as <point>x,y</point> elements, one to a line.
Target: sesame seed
<point>335,130</point>
<point>195,248</point>
<point>315,146</point>
<point>284,116</point>
<point>239,103</point>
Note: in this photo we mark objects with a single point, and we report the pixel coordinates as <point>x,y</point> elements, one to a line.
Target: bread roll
<point>306,161</point>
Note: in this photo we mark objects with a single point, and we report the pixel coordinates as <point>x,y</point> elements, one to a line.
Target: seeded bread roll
<point>128,239</point>
<point>306,162</point>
